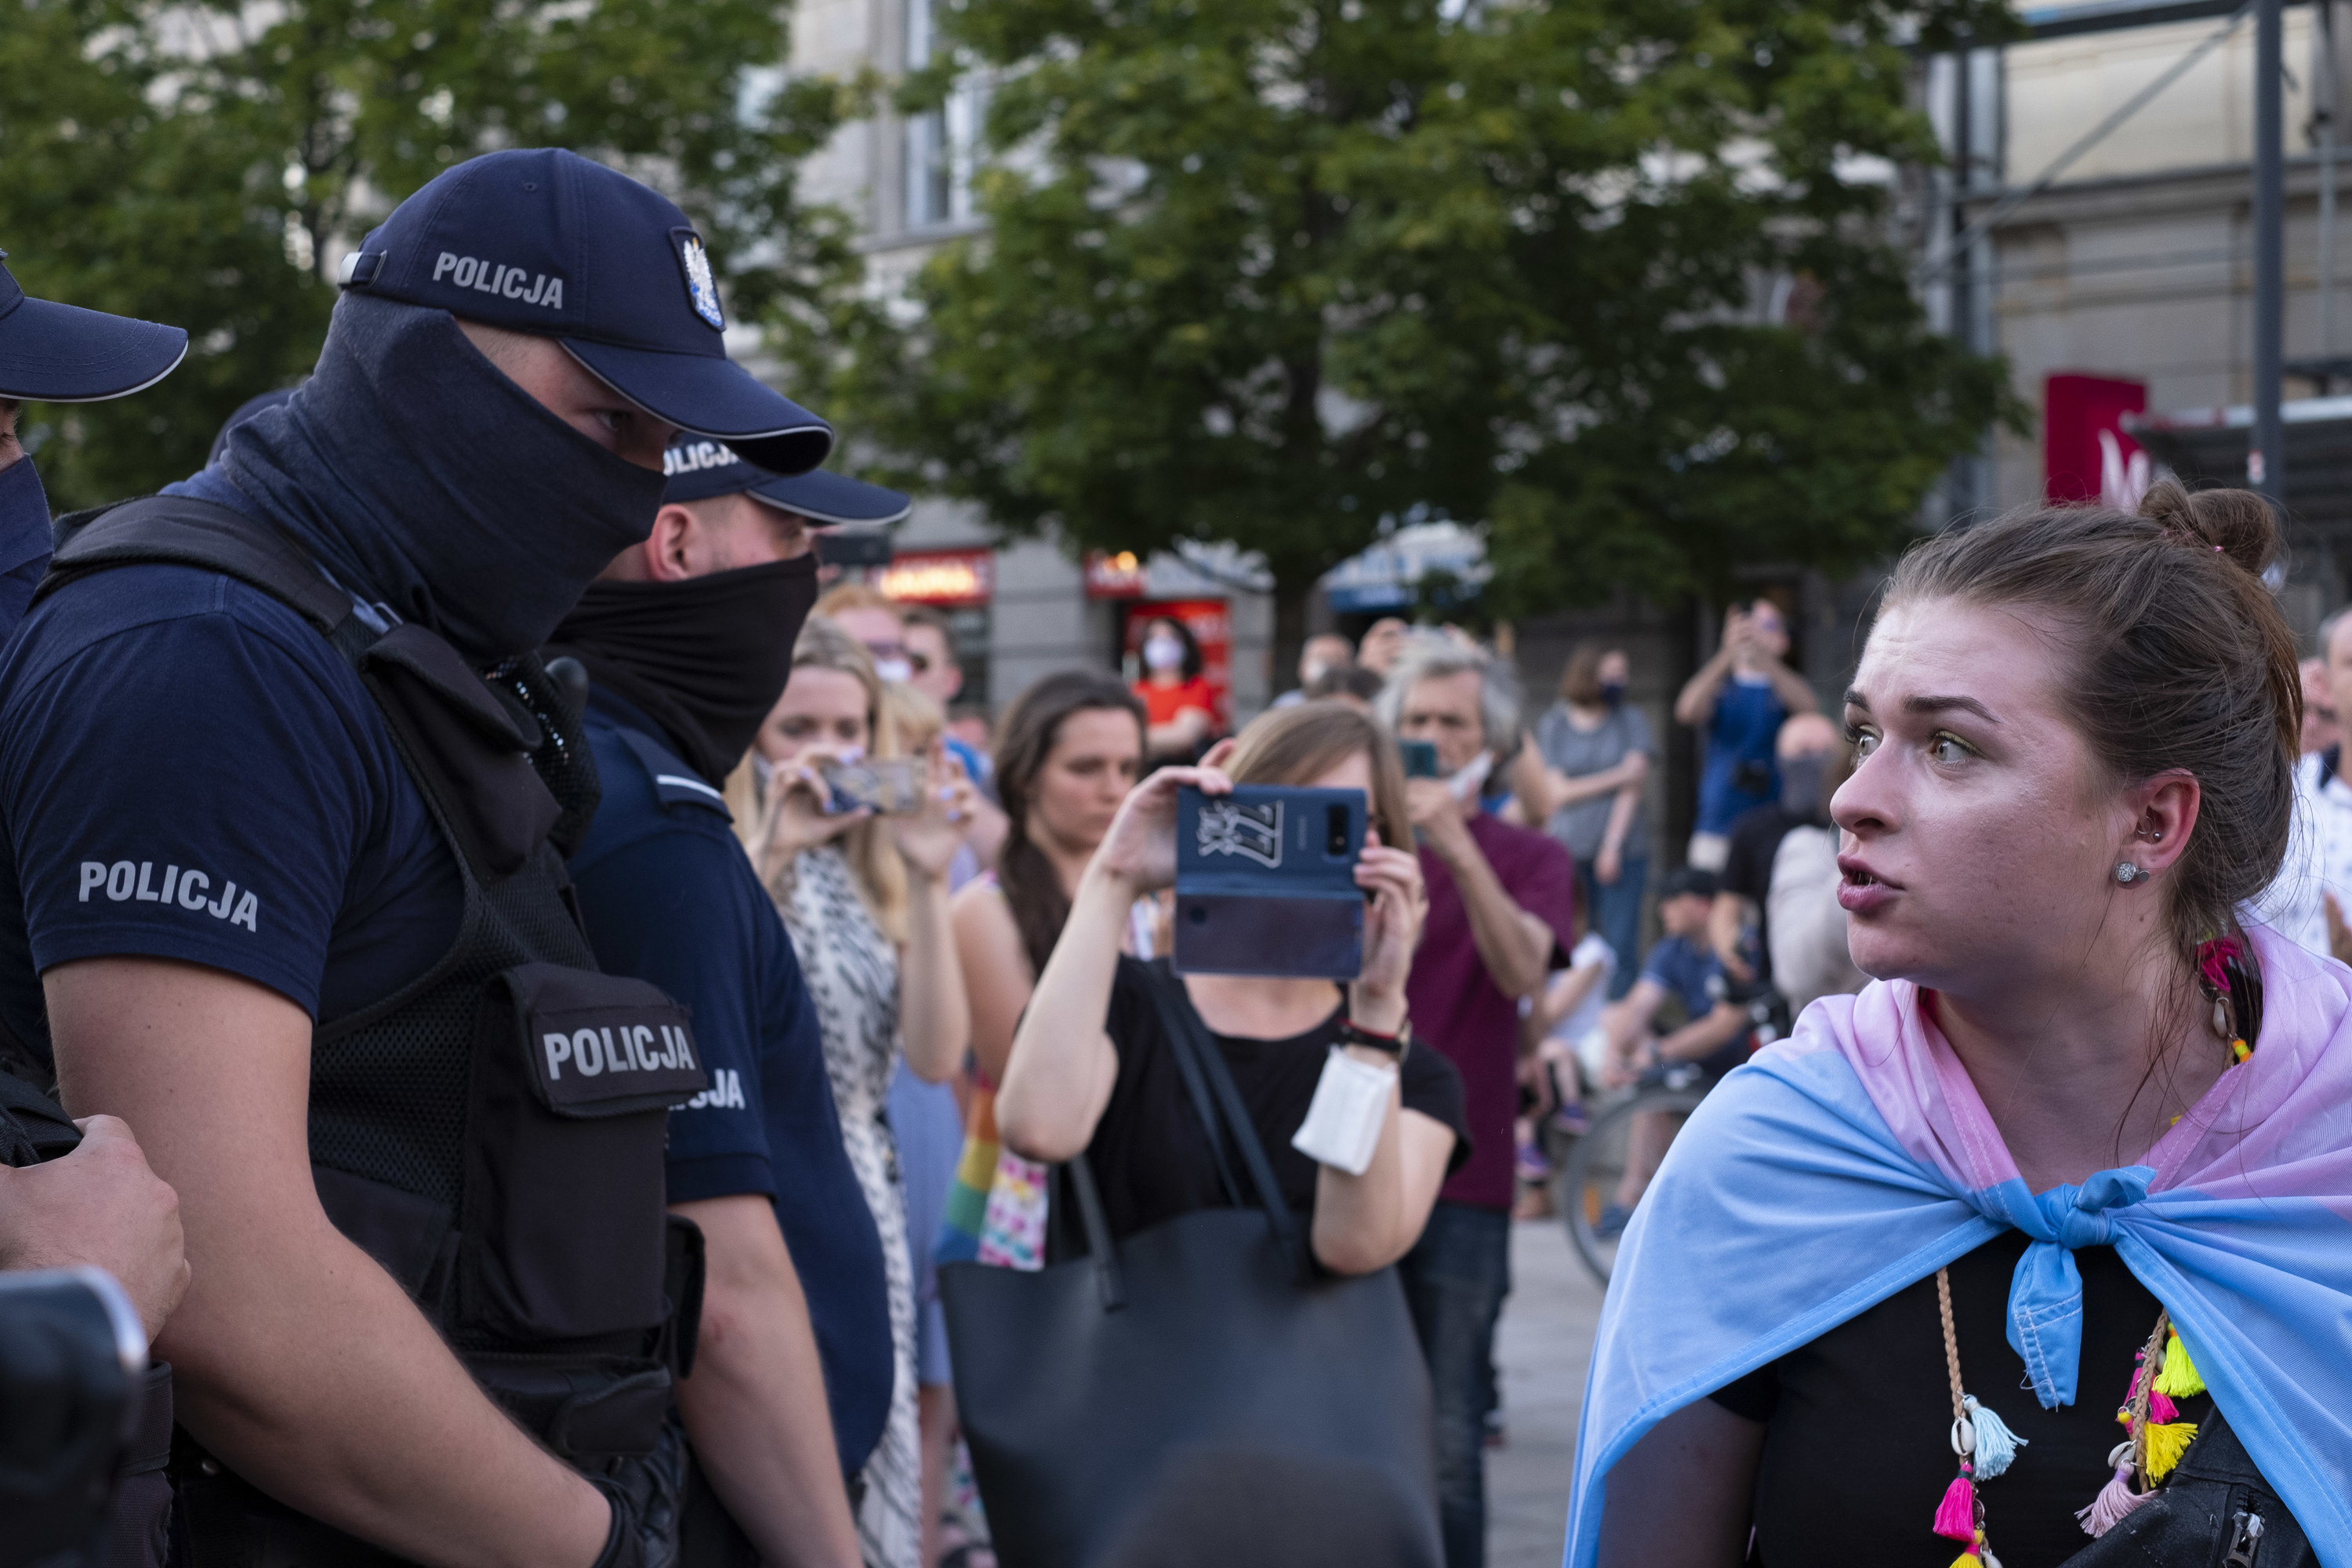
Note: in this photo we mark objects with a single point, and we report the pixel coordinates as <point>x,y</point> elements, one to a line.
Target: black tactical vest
<point>492,1133</point>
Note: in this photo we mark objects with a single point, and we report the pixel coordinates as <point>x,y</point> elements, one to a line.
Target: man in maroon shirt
<point>1501,914</point>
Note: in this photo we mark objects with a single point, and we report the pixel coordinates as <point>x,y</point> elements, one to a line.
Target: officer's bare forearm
<point>755,1407</point>
<point>297,1360</point>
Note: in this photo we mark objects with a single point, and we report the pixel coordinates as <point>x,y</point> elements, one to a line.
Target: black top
<point>1857,1450</point>
<point>1151,1156</point>
<point>1747,867</point>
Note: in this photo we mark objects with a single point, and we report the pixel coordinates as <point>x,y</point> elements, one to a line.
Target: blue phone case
<point>1266,881</point>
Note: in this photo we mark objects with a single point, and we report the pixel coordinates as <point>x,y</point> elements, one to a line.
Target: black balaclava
<point>705,659</point>
<point>418,475</point>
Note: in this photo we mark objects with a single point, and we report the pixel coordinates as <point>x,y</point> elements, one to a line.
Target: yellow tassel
<point>2166,1442</point>
<point>2178,1379</point>
<point>1968,1559</point>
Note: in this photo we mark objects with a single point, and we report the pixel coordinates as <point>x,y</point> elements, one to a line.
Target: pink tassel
<point>2114,1499</point>
<point>2210,958</point>
<point>1956,1516</point>
<point>2161,1410</point>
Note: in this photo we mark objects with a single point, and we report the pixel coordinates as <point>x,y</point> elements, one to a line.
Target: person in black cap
<point>59,353</point>
<point>1713,1037</point>
<point>286,792</point>
<point>687,641</point>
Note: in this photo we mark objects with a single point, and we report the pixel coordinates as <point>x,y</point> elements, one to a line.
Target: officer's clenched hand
<point>102,1205</point>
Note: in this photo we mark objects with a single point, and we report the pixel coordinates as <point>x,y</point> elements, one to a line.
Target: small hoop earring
<point>2128,873</point>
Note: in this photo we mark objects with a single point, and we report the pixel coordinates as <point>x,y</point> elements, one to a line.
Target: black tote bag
<point>1198,1395</point>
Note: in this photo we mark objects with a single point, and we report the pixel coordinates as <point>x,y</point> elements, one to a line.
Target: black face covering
<point>706,658</point>
<point>420,476</point>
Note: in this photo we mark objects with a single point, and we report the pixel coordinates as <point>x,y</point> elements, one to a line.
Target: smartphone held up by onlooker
<point>1266,881</point>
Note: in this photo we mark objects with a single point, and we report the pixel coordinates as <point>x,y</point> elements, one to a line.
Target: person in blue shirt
<point>240,913</point>
<point>1714,1035</point>
<point>686,641</point>
<point>1737,700</point>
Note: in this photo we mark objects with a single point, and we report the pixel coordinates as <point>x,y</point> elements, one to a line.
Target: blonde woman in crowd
<point>864,897</point>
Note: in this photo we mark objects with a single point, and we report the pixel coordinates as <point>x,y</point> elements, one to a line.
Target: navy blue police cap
<point>545,241</point>
<point>698,470</point>
<point>61,353</point>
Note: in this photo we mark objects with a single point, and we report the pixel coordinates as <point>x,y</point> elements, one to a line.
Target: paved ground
<point>1544,1343</point>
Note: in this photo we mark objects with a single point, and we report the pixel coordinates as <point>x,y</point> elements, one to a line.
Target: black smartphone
<point>1420,758</point>
<point>1266,881</point>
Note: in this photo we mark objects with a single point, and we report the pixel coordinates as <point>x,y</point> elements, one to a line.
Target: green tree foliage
<point>1611,276</point>
<point>208,164</point>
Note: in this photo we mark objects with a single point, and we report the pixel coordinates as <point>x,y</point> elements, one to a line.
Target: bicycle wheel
<point>1596,1167</point>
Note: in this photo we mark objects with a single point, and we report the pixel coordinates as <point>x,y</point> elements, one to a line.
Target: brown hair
<point>1297,744</point>
<point>1581,682</point>
<point>2181,661</point>
<point>1024,739</point>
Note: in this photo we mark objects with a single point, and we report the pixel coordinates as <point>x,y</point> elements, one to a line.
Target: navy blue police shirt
<point>189,771</point>
<point>669,896</point>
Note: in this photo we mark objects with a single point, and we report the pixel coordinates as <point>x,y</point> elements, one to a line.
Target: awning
<point>1388,576</point>
<point>2209,446</point>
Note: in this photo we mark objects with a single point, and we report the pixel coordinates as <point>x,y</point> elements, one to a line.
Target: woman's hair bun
<point>2239,523</point>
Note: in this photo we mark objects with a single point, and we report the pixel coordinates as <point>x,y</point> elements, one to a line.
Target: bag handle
<point>1205,1072</point>
<point>1099,1249</point>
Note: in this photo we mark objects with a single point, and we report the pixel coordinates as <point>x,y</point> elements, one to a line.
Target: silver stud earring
<point>2128,873</point>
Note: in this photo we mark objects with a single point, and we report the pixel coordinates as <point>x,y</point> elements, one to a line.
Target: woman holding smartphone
<point>1076,1085</point>
<point>866,900</point>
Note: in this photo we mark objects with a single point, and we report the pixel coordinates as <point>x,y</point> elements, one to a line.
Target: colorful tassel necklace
<point>2155,1438</point>
<point>1982,1440</point>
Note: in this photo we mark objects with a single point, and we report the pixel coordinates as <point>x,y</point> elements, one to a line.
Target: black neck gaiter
<point>705,659</point>
<point>420,476</point>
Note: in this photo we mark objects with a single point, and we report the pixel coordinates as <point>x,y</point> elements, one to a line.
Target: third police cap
<point>545,241</point>
<point>699,470</point>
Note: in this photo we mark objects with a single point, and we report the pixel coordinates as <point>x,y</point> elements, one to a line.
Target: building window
<point>938,145</point>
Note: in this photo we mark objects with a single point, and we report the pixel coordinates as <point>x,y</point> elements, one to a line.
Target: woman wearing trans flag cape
<point>2039,1249</point>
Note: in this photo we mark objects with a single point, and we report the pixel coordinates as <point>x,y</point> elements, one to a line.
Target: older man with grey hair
<point>1501,917</point>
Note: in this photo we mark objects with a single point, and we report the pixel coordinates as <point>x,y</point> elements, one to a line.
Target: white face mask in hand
<point>1465,785</point>
<point>1344,1119</point>
<point>1163,653</point>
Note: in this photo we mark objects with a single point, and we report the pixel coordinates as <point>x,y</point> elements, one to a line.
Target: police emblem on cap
<point>700,289</point>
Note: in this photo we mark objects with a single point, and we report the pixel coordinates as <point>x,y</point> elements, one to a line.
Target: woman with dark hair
<point>1596,750</point>
<point>1068,752</point>
<point>2081,1149</point>
<point>1181,703</point>
<point>1092,1072</point>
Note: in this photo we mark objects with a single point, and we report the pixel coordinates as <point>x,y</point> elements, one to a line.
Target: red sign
<point>1114,574</point>
<point>951,579</point>
<point>2085,455</point>
<point>1212,625</point>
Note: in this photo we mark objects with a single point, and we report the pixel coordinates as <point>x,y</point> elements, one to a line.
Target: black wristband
<point>1396,1044</point>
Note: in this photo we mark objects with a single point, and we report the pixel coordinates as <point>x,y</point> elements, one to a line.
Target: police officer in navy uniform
<point>687,640</point>
<point>59,353</point>
<point>284,796</point>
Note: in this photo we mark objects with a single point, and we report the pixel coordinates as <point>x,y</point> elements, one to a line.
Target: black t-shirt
<point>1149,1156</point>
<point>1747,867</point>
<point>1857,1451</point>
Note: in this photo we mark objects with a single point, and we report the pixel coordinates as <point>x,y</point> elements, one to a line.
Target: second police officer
<point>286,795</point>
<point>687,641</point>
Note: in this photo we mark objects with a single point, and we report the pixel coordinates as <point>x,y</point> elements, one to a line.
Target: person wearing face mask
<point>864,894</point>
<point>1180,702</point>
<point>1596,750</point>
<point>686,641</point>
<point>1777,898</point>
<point>318,945</point>
<point>1319,657</point>
<point>59,353</point>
